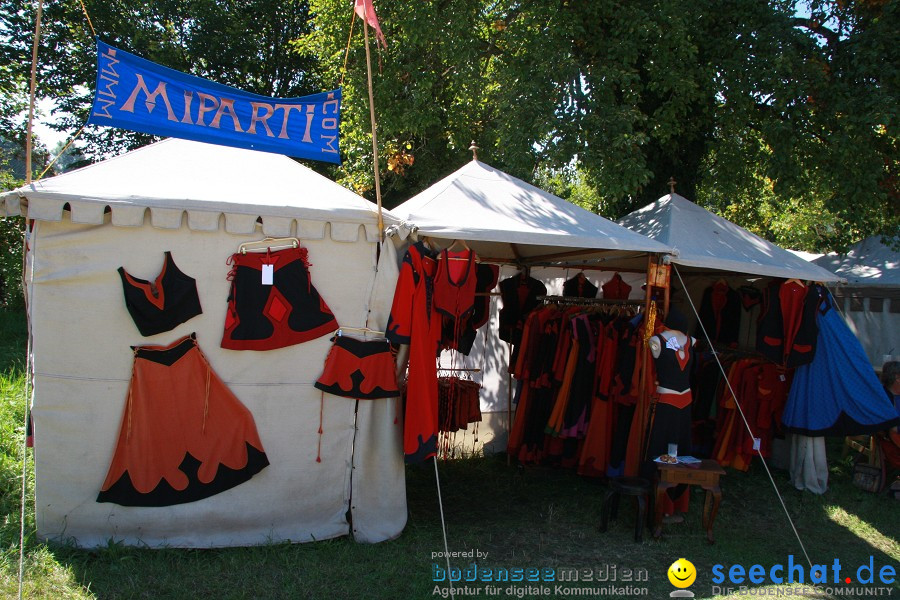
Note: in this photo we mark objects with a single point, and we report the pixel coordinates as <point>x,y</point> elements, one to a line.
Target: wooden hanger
<point>466,248</point>
<point>456,242</point>
<point>342,330</point>
<point>795,280</point>
<point>269,243</point>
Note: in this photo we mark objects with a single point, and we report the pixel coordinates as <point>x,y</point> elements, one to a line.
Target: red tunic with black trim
<point>414,321</point>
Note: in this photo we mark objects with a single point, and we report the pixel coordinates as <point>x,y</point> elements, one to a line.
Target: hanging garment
<point>273,302</point>
<point>361,369</point>
<point>809,464</point>
<point>458,403</point>
<point>454,284</point>
<point>486,280</point>
<point>616,288</point>
<point>413,321</point>
<point>163,304</point>
<point>184,435</point>
<point>579,287</point>
<point>787,330</point>
<point>751,304</point>
<point>838,393</point>
<point>520,296</point>
<point>720,314</point>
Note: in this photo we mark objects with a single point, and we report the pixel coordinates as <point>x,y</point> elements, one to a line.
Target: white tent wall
<point>82,335</point>
<point>490,354</point>
<point>873,315</point>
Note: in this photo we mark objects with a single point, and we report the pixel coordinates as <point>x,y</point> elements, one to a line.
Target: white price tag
<point>756,444</point>
<point>782,377</point>
<point>673,344</point>
<point>268,274</point>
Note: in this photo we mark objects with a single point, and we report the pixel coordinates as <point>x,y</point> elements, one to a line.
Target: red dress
<point>414,321</point>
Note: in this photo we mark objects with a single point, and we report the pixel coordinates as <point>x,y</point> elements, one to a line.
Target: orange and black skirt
<point>362,369</point>
<point>184,435</point>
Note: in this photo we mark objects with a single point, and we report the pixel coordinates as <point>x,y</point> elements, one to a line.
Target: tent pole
<point>34,53</point>
<point>509,383</point>
<point>643,413</point>
<point>374,134</point>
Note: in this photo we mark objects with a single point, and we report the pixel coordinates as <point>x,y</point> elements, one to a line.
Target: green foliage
<point>11,295</point>
<point>780,114</point>
<point>757,112</point>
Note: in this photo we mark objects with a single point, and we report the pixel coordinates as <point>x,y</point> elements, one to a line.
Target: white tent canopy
<point>503,217</point>
<point>871,299</point>
<point>203,202</point>
<point>704,240</point>
<point>868,263</point>
<point>174,176</point>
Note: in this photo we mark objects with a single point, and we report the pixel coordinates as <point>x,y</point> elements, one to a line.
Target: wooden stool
<point>629,486</point>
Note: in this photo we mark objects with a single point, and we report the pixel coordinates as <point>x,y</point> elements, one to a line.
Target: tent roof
<point>868,263</point>
<point>707,241</point>
<point>205,180</point>
<point>503,217</point>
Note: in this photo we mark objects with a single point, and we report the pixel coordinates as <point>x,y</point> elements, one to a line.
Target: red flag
<point>366,12</point>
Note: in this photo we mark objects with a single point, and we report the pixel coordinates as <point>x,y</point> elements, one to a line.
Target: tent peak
<point>474,148</point>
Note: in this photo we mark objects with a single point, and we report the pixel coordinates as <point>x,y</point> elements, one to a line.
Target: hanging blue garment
<point>838,393</point>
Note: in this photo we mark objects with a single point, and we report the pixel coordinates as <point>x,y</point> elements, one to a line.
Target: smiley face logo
<point>682,573</point>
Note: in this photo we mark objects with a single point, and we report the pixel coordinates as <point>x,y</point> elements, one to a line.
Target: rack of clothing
<point>577,383</point>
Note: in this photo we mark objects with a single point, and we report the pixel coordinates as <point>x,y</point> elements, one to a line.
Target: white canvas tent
<point>703,240</point>
<point>503,217</point>
<point>200,202</point>
<point>871,298</point>
<point>709,247</point>
<point>506,220</point>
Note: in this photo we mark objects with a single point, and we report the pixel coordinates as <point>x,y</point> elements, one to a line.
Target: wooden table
<point>705,474</point>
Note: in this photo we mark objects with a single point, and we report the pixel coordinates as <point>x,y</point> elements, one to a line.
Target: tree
<point>242,43</point>
<point>781,119</point>
<point>759,114</point>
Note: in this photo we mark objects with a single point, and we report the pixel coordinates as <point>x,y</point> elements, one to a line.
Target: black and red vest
<point>163,304</point>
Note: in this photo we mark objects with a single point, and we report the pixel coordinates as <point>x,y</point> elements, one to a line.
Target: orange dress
<point>184,436</point>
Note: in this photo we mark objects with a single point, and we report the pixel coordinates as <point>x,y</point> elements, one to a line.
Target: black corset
<point>163,304</point>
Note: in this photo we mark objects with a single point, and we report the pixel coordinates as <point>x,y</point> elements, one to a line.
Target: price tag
<point>756,444</point>
<point>673,344</point>
<point>782,377</point>
<point>268,274</point>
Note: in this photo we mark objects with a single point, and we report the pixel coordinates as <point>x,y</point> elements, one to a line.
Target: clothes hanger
<point>466,248</point>
<point>269,243</point>
<point>342,330</point>
<point>795,280</point>
<point>459,242</point>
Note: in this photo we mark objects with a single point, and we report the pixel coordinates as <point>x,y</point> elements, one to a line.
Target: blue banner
<point>136,94</point>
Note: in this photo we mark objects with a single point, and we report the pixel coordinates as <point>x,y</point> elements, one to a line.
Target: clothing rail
<point>576,301</point>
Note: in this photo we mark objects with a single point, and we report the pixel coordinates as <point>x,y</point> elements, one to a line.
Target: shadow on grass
<point>518,517</point>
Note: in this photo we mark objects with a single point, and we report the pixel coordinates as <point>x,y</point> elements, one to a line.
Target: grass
<point>521,517</point>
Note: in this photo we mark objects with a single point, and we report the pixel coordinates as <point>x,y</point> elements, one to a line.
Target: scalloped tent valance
<point>208,185</point>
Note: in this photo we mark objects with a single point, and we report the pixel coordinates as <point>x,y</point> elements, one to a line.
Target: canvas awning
<point>503,217</point>
<point>868,263</point>
<point>205,181</point>
<point>703,240</point>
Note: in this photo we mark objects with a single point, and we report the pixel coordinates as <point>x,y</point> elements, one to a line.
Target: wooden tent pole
<point>374,134</point>
<point>34,54</point>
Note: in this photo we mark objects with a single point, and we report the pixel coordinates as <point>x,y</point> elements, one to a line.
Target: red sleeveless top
<point>454,284</point>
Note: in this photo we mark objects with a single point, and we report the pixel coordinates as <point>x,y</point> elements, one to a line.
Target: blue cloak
<point>838,393</point>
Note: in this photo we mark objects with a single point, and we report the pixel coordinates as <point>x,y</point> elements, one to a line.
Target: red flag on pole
<point>366,12</point>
